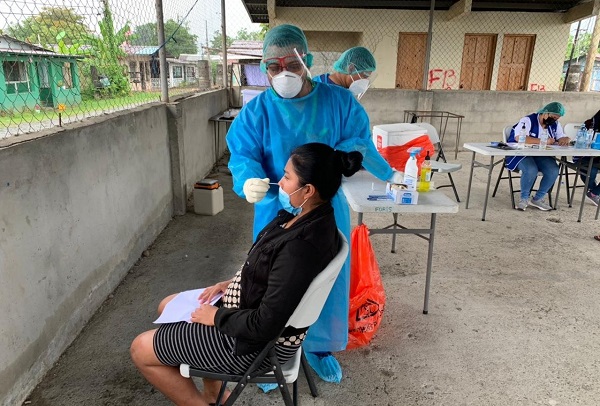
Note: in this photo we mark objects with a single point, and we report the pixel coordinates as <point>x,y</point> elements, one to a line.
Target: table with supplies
<point>357,189</point>
<point>487,150</point>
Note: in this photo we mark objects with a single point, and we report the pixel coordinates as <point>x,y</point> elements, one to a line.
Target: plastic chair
<point>439,164</point>
<point>570,130</point>
<point>306,313</point>
<point>512,174</point>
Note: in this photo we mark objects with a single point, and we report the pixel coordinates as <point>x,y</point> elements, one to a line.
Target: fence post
<point>162,52</point>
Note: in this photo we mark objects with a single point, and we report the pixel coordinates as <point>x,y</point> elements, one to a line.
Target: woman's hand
<point>551,141</point>
<point>563,141</point>
<point>210,292</point>
<point>205,314</point>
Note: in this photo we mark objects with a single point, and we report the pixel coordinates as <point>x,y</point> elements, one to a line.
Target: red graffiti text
<point>534,87</point>
<point>447,78</point>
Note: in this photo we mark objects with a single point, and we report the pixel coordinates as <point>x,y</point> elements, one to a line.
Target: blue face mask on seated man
<point>284,199</point>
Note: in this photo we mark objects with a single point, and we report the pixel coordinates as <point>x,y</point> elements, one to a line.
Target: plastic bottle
<point>522,137</point>
<point>589,138</point>
<point>411,169</point>
<point>425,177</point>
<point>581,137</point>
<point>544,139</point>
<point>596,143</point>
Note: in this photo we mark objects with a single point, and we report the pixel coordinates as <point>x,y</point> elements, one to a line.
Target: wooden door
<point>410,63</point>
<point>477,61</point>
<point>515,62</point>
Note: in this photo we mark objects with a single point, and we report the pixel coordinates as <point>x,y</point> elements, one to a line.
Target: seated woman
<point>288,253</point>
<point>546,119</point>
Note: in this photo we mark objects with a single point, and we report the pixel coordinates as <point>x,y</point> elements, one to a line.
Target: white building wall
<point>378,30</point>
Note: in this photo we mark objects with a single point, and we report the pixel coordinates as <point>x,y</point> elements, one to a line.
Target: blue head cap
<point>553,108</point>
<point>281,41</point>
<point>355,60</point>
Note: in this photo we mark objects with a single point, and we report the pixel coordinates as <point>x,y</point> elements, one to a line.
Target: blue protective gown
<point>261,140</point>
<point>324,78</point>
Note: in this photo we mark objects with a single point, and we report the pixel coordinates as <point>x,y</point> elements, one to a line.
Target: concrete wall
<point>194,142</point>
<point>77,208</point>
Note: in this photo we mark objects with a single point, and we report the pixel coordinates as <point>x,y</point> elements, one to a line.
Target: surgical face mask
<point>359,87</point>
<point>284,199</point>
<point>287,84</point>
<point>549,121</point>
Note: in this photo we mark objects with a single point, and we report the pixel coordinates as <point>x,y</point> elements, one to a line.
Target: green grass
<point>82,109</point>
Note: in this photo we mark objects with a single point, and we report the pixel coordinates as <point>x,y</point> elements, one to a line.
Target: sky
<point>204,15</point>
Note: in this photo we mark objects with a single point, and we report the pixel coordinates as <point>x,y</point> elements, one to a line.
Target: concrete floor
<point>514,312</point>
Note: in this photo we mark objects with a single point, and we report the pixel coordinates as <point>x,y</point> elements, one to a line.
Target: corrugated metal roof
<point>145,50</point>
<point>13,46</point>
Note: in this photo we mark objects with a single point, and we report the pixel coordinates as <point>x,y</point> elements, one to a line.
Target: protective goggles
<point>290,63</point>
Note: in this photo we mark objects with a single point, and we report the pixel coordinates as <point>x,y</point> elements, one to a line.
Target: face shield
<point>361,81</point>
<point>286,73</point>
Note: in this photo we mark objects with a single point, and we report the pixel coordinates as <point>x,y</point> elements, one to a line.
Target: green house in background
<point>33,77</point>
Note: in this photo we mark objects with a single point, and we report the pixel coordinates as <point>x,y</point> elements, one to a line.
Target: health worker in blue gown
<point>353,70</point>
<point>296,111</point>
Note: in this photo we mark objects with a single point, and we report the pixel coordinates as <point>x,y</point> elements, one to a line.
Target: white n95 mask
<point>359,87</point>
<point>287,84</point>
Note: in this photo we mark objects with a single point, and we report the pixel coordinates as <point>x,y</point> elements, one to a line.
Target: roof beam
<point>581,11</point>
<point>459,9</point>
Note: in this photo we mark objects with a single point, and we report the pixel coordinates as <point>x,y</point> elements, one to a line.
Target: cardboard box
<point>402,196</point>
<point>386,135</point>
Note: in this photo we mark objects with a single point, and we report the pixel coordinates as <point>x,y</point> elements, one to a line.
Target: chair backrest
<point>570,129</point>
<point>309,308</point>
<point>506,133</point>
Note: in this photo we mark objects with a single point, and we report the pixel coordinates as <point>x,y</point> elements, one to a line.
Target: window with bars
<point>15,74</point>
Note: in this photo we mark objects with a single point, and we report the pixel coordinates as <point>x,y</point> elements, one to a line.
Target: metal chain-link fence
<point>71,59</point>
<point>491,46</point>
<point>64,61</point>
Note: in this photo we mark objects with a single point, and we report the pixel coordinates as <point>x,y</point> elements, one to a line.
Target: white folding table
<point>358,187</point>
<point>485,149</point>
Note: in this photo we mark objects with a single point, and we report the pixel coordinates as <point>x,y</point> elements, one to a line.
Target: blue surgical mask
<point>284,199</point>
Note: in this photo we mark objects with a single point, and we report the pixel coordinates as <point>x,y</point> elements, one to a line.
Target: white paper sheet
<point>180,308</point>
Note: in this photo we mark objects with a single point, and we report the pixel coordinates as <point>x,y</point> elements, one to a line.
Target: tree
<point>107,55</point>
<point>581,48</point>
<point>50,23</point>
<point>179,39</point>
<point>242,35</point>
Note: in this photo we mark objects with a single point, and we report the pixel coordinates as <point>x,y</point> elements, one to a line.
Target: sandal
<point>597,237</point>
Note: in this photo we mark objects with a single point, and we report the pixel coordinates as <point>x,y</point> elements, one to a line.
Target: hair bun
<point>350,162</point>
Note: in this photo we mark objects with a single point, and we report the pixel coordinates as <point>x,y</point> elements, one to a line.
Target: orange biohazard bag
<point>367,297</point>
<point>397,155</point>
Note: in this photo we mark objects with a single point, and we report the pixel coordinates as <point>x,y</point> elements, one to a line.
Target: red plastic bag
<point>397,155</point>
<point>367,297</point>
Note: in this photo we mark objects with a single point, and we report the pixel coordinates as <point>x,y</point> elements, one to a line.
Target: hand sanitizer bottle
<point>411,170</point>
<point>522,137</point>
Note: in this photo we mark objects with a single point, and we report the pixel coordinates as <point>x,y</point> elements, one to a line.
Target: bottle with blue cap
<point>411,170</point>
<point>581,137</point>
